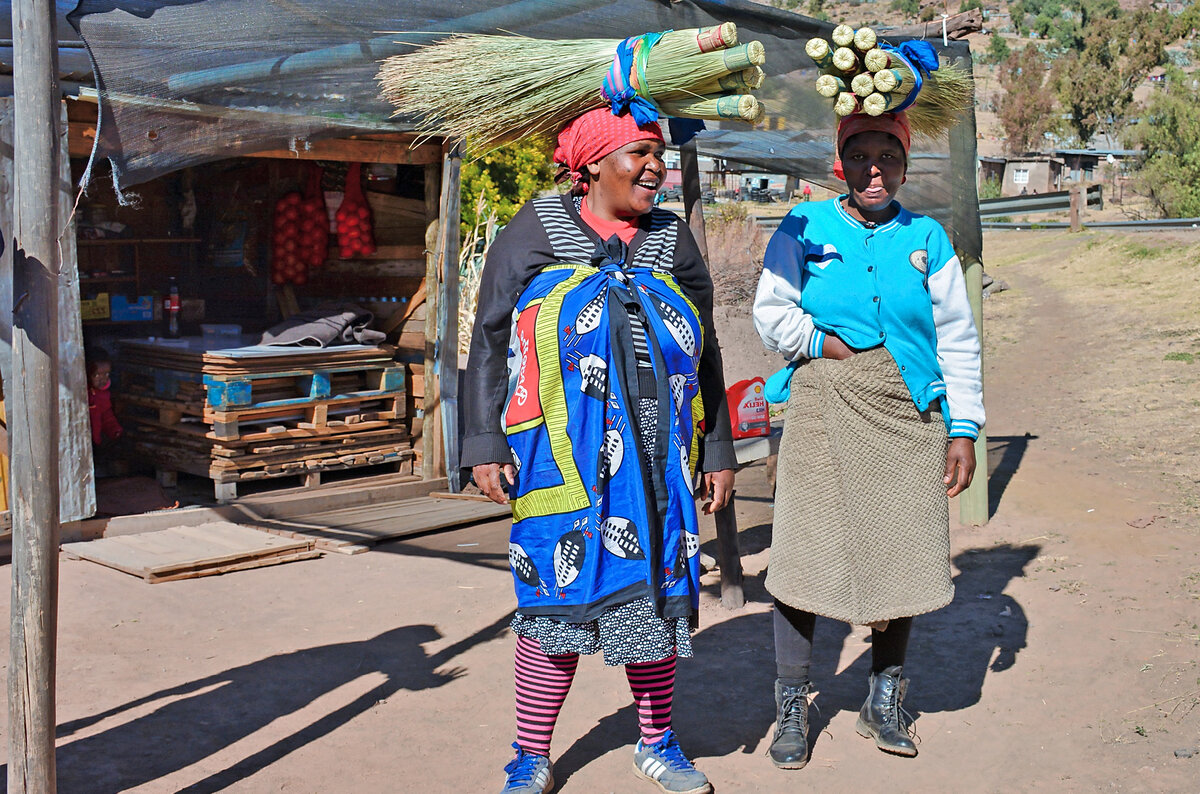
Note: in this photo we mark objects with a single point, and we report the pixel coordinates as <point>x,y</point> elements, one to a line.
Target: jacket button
<point>875,299</point>
<point>882,334</point>
<point>870,268</point>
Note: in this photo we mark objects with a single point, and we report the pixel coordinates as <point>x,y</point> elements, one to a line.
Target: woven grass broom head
<point>491,90</point>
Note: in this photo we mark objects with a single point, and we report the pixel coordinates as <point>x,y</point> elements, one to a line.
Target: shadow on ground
<point>1004,458</point>
<point>202,717</point>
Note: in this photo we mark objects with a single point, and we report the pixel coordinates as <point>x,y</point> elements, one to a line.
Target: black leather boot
<point>789,747</point>
<point>881,717</point>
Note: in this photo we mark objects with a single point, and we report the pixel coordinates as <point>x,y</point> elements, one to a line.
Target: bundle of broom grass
<point>492,90</point>
<point>860,77</point>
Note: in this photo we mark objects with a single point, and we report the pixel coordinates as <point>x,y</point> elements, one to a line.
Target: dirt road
<point>1067,661</point>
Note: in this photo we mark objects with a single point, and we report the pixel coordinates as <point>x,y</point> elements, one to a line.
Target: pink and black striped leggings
<point>542,683</point>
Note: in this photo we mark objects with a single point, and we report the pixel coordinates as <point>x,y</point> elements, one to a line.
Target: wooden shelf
<point>85,241</point>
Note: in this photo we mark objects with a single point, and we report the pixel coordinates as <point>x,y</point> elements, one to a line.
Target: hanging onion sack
<point>356,236</point>
<point>287,260</point>
<point>314,222</point>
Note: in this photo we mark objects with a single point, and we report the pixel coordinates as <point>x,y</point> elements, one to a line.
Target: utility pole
<point>33,398</point>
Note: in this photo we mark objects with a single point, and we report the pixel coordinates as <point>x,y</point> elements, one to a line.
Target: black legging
<point>794,640</point>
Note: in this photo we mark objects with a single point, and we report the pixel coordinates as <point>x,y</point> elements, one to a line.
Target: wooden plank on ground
<point>367,525</point>
<point>186,552</point>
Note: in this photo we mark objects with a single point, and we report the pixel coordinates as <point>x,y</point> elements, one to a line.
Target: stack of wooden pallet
<point>259,412</point>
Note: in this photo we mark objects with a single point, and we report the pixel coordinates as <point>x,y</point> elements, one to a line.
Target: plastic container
<point>221,336</point>
<point>748,410</point>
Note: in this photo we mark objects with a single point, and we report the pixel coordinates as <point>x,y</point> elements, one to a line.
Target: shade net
<point>183,82</point>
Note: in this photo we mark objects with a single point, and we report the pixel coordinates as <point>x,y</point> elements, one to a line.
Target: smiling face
<point>624,182</point>
<point>875,164</point>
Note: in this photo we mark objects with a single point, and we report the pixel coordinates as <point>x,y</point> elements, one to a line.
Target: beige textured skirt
<point>861,531</point>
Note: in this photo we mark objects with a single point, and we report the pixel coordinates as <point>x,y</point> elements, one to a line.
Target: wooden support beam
<point>431,430</point>
<point>357,150</point>
<point>693,205</point>
<point>32,399</point>
<point>448,246</point>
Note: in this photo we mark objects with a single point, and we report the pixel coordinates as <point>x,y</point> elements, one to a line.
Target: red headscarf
<point>895,124</point>
<point>588,138</point>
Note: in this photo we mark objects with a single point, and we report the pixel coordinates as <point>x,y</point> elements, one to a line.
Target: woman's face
<point>874,163</point>
<point>625,181</point>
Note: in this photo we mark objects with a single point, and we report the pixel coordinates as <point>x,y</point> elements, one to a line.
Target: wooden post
<point>973,502</point>
<point>729,557</point>
<point>1076,219</point>
<point>968,242</point>
<point>430,437</point>
<point>33,400</point>
<point>693,204</point>
<point>447,365</point>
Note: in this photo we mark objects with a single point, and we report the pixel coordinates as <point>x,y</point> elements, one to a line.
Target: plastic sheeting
<point>188,81</point>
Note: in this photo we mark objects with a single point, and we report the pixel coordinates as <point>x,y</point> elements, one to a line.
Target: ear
<point>593,170</point>
<point>904,179</point>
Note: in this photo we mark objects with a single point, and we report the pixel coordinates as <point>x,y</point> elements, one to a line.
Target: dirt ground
<point>1067,661</point>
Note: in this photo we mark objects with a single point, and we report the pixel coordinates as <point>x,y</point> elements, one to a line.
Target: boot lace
<point>895,712</point>
<point>793,711</point>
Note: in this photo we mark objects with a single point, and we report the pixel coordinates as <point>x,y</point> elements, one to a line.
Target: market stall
<point>329,249</point>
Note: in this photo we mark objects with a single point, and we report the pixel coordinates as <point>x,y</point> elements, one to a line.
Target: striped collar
<point>857,224</point>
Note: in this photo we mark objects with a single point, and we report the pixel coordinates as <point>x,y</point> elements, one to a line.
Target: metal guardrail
<point>1162,223</point>
<point>1059,201</point>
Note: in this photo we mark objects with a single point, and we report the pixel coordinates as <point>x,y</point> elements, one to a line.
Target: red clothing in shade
<point>105,426</point>
<point>623,229</point>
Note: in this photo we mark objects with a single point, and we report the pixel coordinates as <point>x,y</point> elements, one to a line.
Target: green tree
<point>997,50</point>
<point>1095,80</point>
<point>910,8</point>
<point>1026,110</point>
<point>507,177</point>
<point>1169,135</point>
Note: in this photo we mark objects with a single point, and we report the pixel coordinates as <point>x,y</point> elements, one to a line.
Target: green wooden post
<point>973,502</point>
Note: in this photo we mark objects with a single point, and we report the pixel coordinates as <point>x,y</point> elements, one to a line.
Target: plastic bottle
<point>171,310</point>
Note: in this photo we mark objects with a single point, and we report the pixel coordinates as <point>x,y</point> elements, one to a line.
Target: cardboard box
<point>126,310</point>
<point>94,308</point>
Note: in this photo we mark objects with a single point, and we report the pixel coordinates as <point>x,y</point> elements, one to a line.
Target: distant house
<point>1026,174</point>
<point>1093,165</point>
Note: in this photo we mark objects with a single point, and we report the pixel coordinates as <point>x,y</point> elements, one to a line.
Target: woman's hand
<point>487,477</point>
<point>718,485</point>
<point>835,348</point>
<point>960,465</point>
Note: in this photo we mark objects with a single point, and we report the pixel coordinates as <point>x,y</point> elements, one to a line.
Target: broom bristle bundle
<point>864,39</point>
<point>863,84</point>
<point>820,52</point>
<point>887,82</point>
<point>845,60</point>
<point>843,35</point>
<point>717,37</point>
<point>467,86</point>
<point>877,59</point>
<point>733,106</point>
<point>846,103</point>
<point>877,104</point>
<point>830,86</point>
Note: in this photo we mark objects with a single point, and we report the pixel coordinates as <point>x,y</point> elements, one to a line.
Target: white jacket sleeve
<point>784,327</point>
<point>957,349</point>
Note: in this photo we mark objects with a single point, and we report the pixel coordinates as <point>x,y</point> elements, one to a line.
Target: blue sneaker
<point>665,765</point>
<point>528,774</point>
